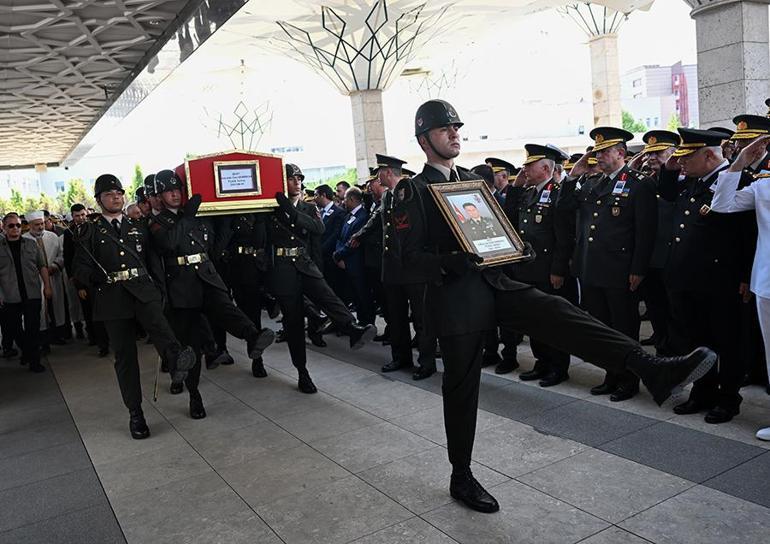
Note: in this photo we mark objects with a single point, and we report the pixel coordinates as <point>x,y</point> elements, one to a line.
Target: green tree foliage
<point>632,125</point>
<point>350,175</point>
<point>137,182</point>
<point>673,123</point>
<point>60,204</point>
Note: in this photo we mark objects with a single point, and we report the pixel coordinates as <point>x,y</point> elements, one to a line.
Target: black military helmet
<point>149,185</point>
<point>167,180</point>
<point>107,182</point>
<point>434,114</point>
<point>140,195</point>
<point>293,170</point>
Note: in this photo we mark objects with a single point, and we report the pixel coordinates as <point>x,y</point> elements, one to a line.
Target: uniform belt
<point>125,275</point>
<point>289,251</point>
<point>246,250</point>
<point>185,260</point>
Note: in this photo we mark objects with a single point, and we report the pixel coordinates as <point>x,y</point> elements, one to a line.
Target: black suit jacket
<point>615,229</point>
<point>332,228</point>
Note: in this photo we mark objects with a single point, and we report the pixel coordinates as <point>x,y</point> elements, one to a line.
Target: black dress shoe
<point>381,338</point>
<point>9,353</point>
<point>224,359</point>
<point>361,334</point>
<point>692,407</point>
<point>258,368</point>
<point>531,375</point>
<point>651,341</point>
<point>259,342</point>
<point>305,384</point>
<point>553,378</point>
<point>211,361</point>
<point>137,425</point>
<point>506,366</point>
<point>423,372</point>
<point>317,340</point>
<point>58,341</point>
<point>604,388</point>
<point>104,352</point>
<point>197,411</point>
<point>721,414</point>
<point>623,393</point>
<point>36,368</point>
<point>176,388</point>
<point>280,336</point>
<point>491,359</point>
<point>466,489</point>
<point>666,376</point>
<point>395,365</point>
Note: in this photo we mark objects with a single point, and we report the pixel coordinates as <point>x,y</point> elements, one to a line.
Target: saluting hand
<point>581,166</point>
<point>751,154</point>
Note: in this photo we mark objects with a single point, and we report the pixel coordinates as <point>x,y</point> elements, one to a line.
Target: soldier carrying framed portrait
<point>478,222</point>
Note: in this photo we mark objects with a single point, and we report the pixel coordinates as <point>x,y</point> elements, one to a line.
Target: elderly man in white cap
<point>53,309</point>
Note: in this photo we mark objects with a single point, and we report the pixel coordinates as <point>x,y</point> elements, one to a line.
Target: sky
<point>508,78</point>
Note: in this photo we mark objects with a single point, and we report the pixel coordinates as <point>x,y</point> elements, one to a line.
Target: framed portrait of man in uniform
<point>478,222</point>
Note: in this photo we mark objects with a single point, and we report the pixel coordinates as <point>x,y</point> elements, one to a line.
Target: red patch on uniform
<point>401,221</point>
<point>623,176</point>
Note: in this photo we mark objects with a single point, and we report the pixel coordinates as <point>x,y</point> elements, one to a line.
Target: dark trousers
<point>543,317</point>
<point>248,299</point>
<point>8,330</point>
<point>508,337</point>
<point>548,358</point>
<point>711,318</point>
<point>400,299</point>
<point>293,308</point>
<point>653,293</point>
<point>378,293</point>
<point>122,336</point>
<point>26,335</point>
<point>187,324</point>
<point>94,329</point>
<point>617,308</point>
<point>362,297</point>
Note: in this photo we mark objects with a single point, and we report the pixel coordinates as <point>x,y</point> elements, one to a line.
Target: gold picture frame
<point>478,222</point>
<point>232,166</point>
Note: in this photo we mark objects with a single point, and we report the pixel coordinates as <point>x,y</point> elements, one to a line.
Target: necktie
<point>116,226</point>
<point>453,175</point>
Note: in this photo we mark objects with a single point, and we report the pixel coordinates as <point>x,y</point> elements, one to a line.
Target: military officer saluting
<point>113,262</point>
<point>293,232</point>
<point>193,287</point>
<point>531,208</point>
<point>617,217</point>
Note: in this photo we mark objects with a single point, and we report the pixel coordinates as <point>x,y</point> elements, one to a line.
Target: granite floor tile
<point>388,399</point>
<point>514,449</point>
<point>607,486</point>
<point>413,531</point>
<point>703,516</point>
<point>235,446</point>
<point>430,423</point>
<point>94,525</point>
<point>33,438</point>
<point>46,499</point>
<point>420,482</point>
<point>328,421</point>
<point>588,423</point>
<point>43,464</point>
<point>614,535</point>
<point>749,481</point>
<point>229,415</point>
<point>371,446</point>
<point>517,401</point>
<point>151,469</point>
<point>682,452</point>
<point>199,509</point>
<point>14,417</point>
<point>339,512</point>
<point>276,474</point>
<point>526,516</point>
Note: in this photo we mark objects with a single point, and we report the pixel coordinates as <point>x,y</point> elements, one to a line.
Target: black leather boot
<point>466,489</point>
<point>665,376</point>
<point>197,411</point>
<point>137,425</point>
<point>258,368</point>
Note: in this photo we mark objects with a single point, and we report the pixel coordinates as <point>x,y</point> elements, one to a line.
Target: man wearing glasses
<point>22,268</point>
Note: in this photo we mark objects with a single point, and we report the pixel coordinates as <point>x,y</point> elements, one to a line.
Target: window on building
<point>581,129</point>
<point>657,121</point>
<point>483,137</point>
<point>638,95</point>
<point>637,82</point>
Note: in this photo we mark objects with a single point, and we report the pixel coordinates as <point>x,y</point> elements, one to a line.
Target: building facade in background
<point>654,94</point>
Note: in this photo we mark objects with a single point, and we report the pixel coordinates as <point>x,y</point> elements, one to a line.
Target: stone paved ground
<point>364,460</point>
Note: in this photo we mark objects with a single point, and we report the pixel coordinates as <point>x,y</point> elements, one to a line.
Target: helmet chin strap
<point>433,147</point>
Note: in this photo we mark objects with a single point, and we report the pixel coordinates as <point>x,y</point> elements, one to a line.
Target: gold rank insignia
<point>538,218</point>
<point>705,209</point>
<point>599,138</point>
<point>615,211</point>
<point>652,140</point>
<point>742,125</point>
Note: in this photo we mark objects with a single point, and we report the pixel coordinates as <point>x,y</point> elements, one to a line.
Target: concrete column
<point>605,80</point>
<point>368,128</point>
<point>733,58</point>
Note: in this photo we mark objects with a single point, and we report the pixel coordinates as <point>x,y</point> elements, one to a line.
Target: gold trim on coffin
<point>222,208</point>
